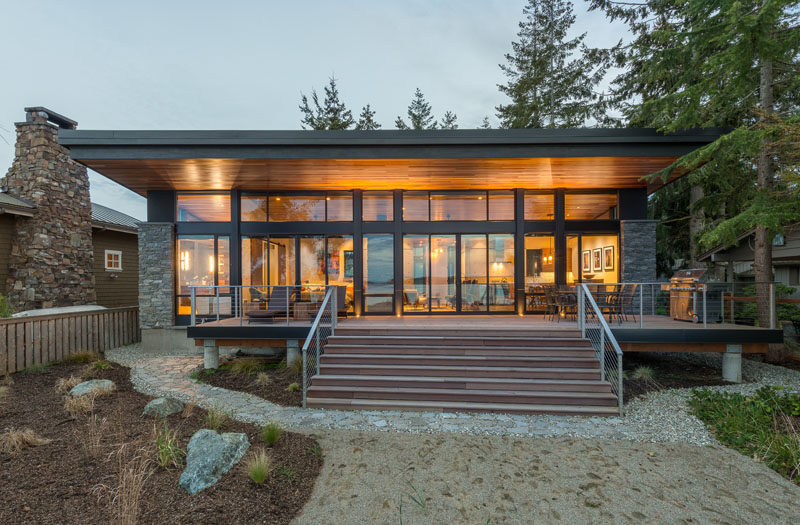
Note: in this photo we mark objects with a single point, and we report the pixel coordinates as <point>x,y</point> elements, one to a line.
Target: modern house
<point>56,247</point>
<point>420,229</point>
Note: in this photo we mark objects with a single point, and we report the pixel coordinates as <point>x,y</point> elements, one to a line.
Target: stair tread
<point>464,347</point>
<point>452,379</point>
<point>464,406</point>
<point>478,358</point>
<point>439,391</point>
<point>460,337</point>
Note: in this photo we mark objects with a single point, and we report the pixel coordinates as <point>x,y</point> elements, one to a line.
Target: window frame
<point>118,254</point>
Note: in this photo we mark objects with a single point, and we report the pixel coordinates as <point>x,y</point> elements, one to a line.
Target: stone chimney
<point>51,257</point>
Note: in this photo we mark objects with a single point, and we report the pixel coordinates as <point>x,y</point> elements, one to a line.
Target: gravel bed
<point>659,417</point>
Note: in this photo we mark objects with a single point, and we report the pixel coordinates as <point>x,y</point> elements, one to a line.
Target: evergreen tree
<point>698,63</point>
<point>485,124</point>
<point>420,114</point>
<point>366,120</point>
<point>449,120</point>
<point>551,79</point>
<point>331,114</point>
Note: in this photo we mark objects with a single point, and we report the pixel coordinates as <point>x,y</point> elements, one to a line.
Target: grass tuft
<point>13,441</point>
<point>316,450</point>
<point>271,433</point>
<point>763,426</point>
<point>188,409</point>
<point>258,465</point>
<point>169,452</point>
<point>262,379</point>
<point>65,384</point>
<point>216,418</point>
<point>95,430</point>
<point>643,373</point>
<point>247,365</point>
<point>297,365</point>
<point>82,356</point>
<point>41,368</point>
<point>77,406</point>
<point>294,387</point>
<point>4,390</point>
<point>287,473</point>
<point>101,364</point>
<point>133,468</point>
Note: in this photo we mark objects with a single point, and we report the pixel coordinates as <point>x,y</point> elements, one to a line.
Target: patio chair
<point>277,306</point>
<point>551,304</point>
<point>625,302</point>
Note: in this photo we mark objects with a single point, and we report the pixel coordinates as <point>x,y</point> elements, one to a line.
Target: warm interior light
<point>210,263</point>
<point>327,198</point>
<point>184,260</point>
<point>277,198</point>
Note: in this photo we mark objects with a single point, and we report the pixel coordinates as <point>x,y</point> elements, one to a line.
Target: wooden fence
<point>28,341</point>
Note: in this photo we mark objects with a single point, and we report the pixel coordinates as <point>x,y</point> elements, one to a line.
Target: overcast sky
<point>243,65</point>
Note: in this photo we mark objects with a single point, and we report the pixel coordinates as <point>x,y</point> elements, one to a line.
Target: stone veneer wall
<point>51,257</point>
<point>156,275</point>
<point>638,238</point>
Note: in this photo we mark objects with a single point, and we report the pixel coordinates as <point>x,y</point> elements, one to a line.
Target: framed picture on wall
<point>597,260</point>
<point>587,261</point>
<point>608,258</point>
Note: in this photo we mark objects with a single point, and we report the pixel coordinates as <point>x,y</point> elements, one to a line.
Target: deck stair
<point>537,371</point>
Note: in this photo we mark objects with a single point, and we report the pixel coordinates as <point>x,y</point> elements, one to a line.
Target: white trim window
<point>113,261</point>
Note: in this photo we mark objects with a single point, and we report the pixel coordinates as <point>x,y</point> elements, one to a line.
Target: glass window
<point>378,206</point>
<point>113,260</point>
<point>415,206</point>
<point>340,264</point>
<point>599,259</point>
<point>540,263</point>
<point>281,261</point>
<point>340,206</point>
<point>473,273</point>
<point>312,260</point>
<point>254,208</point>
<point>501,205</point>
<point>204,208</point>
<point>573,259</point>
<point>443,273</point>
<point>379,273</point>
<point>590,206</point>
<point>203,261</point>
<point>415,273</point>
<point>462,206</point>
<point>286,208</point>
<point>501,272</point>
<point>539,206</point>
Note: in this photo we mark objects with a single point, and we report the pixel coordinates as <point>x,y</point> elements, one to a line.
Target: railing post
<point>772,321</point>
<point>334,309</point>
<point>193,291</point>
<point>241,304</point>
<point>318,352</point>
<point>305,381</point>
<point>287,306</point>
<point>705,310</point>
<point>603,353</point>
<point>216,289</point>
<point>619,382</point>
<point>641,305</point>
<point>581,321</point>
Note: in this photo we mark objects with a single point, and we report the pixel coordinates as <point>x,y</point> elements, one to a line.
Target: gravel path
<point>368,478</point>
<point>660,417</point>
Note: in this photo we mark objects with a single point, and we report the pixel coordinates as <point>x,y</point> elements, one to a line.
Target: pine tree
<point>551,79</point>
<point>449,120</point>
<point>366,120</point>
<point>704,63</point>
<point>485,124</point>
<point>420,114</point>
<point>331,114</point>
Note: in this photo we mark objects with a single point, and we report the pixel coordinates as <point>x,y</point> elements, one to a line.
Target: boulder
<point>162,407</point>
<point>209,455</point>
<point>87,387</point>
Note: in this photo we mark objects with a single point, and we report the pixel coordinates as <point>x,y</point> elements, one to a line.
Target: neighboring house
<point>56,247</point>
<point>737,260</point>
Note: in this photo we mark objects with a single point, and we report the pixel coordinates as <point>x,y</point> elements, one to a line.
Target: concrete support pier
<point>210,354</point>
<point>292,351</point>
<point>732,364</point>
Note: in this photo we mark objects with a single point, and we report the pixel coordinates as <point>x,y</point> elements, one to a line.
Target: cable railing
<point>594,327</point>
<point>314,345</point>
<point>242,305</point>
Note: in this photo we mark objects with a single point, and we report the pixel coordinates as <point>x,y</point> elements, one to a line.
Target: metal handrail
<point>315,336</point>
<point>606,336</point>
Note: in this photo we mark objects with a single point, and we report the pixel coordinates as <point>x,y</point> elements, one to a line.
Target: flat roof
<point>298,159</point>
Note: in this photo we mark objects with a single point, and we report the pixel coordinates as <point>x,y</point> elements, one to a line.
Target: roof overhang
<point>383,159</point>
<point>104,226</point>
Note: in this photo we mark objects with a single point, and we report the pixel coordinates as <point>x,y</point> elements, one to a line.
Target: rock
<point>209,455</point>
<point>162,407</point>
<point>88,387</point>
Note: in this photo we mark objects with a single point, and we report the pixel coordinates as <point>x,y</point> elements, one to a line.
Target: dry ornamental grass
<point>13,441</point>
<point>65,384</point>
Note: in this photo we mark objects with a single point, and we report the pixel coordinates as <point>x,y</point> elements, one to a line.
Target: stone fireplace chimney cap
<point>60,120</point>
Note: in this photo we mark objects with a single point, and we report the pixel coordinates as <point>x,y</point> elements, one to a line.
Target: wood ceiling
<point>141,175</point>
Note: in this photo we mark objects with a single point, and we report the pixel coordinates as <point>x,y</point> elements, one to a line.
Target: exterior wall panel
<point>116,288</point>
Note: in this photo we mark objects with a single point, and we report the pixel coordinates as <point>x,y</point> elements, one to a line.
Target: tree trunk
<point>762,251</point>
<point>696,221</point>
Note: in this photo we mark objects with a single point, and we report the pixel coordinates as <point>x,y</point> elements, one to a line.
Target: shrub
<point>169,452</point>
<point>12,441</point>
<point>294,387</point>
<point>101,364</point>
<point>82,356</point>
<point>258,466</point>
<point>758,426</point>
<point>247,365</point>
<point>5,308</point>
<point>271,433</point>
<point>65,384</point>
<point>216,418</point>
<point>76,406</point>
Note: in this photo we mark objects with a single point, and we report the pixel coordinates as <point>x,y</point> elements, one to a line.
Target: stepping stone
<point>209,456</point>
<point>87,387</point>
<point>162,407</point>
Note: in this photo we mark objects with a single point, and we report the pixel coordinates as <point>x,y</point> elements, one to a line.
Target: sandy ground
<point>368,478</point>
